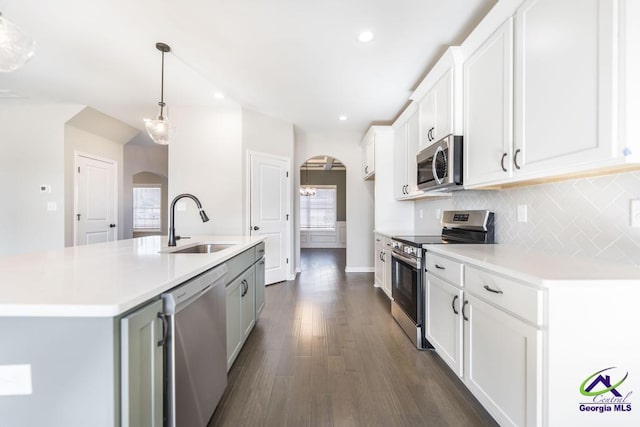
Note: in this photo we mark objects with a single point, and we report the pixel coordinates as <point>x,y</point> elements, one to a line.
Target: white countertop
<point>536,267</point>
<point>391,233</point>
<point>103,280</point>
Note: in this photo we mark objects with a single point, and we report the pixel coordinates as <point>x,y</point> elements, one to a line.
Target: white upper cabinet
<point>439,98</point>
<point>488,109</point>
<point>405,150</point>
<point>550,93</point>
<point>368,154</point>
<point>565,84</point>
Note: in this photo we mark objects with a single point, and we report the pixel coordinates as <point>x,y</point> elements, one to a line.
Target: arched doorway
<point>322,211</point>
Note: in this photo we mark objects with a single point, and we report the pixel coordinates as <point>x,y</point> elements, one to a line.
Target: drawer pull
<point>464,316</point>
<point>439,267</point>
<point>495,291</point>
<point>453,304</point>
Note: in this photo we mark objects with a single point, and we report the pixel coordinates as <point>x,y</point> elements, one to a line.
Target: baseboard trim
<point>359,269</point>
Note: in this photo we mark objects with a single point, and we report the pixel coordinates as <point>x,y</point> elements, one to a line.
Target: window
<point>146,208</point>
<point>319,211</point>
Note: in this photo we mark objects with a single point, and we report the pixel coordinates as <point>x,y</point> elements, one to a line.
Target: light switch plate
<point>15,380</point>
<point>181,206</point>
<point>635,213</point>
<point>421,213</point>
<point>522,213</point>
<point>438,214</point>
<point>52,206</point>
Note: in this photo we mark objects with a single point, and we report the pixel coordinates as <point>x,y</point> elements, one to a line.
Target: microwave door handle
<point>434,170</point>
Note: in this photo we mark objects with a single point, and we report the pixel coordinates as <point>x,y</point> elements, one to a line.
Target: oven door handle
<point>415,263</point>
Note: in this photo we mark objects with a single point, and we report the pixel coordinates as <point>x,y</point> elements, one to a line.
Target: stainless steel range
<point>408,268</point>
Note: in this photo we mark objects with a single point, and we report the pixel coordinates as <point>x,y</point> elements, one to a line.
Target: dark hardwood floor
<point>326,352</point>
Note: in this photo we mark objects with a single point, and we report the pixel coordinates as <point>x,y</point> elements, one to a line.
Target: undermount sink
<point>203,248</point>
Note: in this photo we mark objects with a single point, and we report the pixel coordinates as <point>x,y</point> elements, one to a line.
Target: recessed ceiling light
<point>342,118</point>
<point>219,95</point>
<point>365,36</point>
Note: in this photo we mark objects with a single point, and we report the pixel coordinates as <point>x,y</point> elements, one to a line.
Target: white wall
<point>205,159</point>
<point>32,147</point>
<point>584,217</point>
<point>141,156</point>
<point>345,147</point>
<point>80,140</point>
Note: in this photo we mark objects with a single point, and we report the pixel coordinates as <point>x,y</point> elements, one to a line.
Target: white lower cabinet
<point>444,322</point>
<point>382,274</point>
<point>502,363</point>
<point>476,326</point>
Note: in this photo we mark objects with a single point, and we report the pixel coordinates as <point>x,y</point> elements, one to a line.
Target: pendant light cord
<point>161,103</point>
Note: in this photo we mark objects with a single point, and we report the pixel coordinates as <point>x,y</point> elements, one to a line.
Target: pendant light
<point>159,129</point>
<point>306,190</point>
<point>16,47</point>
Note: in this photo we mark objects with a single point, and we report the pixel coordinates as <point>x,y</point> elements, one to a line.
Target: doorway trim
<point>76,155</point>
<point>291,274</point>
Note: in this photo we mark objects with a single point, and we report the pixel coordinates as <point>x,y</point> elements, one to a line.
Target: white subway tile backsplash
<point>587,217</point>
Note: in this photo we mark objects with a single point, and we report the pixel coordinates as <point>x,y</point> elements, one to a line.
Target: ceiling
<point>299,61</point>
<point>323,163</point>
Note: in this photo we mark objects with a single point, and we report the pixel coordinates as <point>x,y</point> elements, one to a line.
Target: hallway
<point>326,352</point>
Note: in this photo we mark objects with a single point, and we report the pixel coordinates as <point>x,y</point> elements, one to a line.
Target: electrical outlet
<point>52,206</point>
<point>15,380</point>
<point>421,213</point>
<point>522,213</point>
<point>181,206</point>
<point>635,213</point>
<point>438,214</point>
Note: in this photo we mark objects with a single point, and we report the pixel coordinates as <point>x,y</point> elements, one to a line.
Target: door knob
<point>112,226</point>
<point>255,227</point>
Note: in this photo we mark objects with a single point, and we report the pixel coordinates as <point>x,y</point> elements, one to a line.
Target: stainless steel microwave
<point>440,164</point>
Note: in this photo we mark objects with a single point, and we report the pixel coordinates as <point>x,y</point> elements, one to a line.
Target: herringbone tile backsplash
<point>586,217</point>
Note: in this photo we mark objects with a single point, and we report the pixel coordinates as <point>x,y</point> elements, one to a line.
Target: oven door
<point>405,284</point>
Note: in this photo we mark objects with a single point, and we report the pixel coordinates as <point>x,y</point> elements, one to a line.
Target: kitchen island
<point>61,317</point>
<point>538,339</point>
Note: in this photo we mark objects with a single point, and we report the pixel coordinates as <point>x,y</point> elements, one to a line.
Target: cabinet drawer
<point>521,300</point>
<point>445,268</point>
<point>259,248</point>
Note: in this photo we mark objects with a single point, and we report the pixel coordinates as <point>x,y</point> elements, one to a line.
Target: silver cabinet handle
<point>495,291</point>
<point>165,329</point>
<point>464,316</point>
<point>515,159</point>
<point>453,304</point>
<point>439,267</point>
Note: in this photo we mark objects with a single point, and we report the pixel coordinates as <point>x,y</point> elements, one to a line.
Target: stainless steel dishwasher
<point>196,354</point>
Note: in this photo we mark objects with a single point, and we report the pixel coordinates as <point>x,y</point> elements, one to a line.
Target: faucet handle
<point>182,237</point>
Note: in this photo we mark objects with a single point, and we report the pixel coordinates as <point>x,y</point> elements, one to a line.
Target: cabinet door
<point>427,110</point>
<point>443,96</point>
<point>234,320</point>
<point>565,92</point>
<point>260,284</point>
<point>142,368</point>
<point>369,158</point>
<point>488,109</point>
<point>248,303</point>
<point>413,138</point>
<point>386,257</point>
<point>400,161</point>
<point>379,265</point>
<point>443,321</point>
<point>502,363</point>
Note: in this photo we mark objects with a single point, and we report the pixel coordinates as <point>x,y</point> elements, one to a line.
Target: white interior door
<point>270,216</point>
<point>96,199</point>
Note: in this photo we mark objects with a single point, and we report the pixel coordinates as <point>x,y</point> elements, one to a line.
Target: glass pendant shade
<point>16,47</point>
<point>158,130</point>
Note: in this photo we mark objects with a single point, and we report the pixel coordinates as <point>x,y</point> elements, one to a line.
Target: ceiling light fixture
<point>159,129</point>
<point>342,118</point>
<point>16,47</point>
<point>306,190</point>
<point>365,36</point>
<point>219,95</point>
